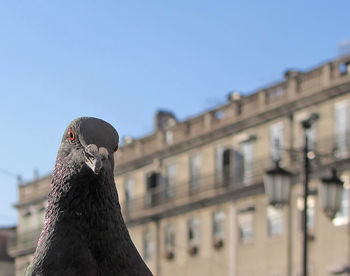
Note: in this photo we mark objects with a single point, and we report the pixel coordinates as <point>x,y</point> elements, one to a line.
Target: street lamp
<point>277,182</point>
<point>331,193</point>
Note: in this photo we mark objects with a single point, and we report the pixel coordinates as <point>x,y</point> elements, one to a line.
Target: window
<point>26,224</point>
<point>342,217</point>
<point>341,129</point>
<point>310,213</point>
<point>170,180</point>
<point>223,166</point>
<point>218,228</point>
<point>194,171</point>
<point>147,244</point>
<point>193,236</point>
<point>218,224</point>
<point>129,193</point>
<point>247,151</point>
<point>276,141</point>
<point>274,221</point>
<point>344,68</point>
<point>168,137</point>
<point>41,215</point>
<point>153,194</point>
<point>311,132</point>
<point>226,165</point>
<point>169,241</point>
<point>238,168</point>
<point>245,226</point>
<point>218,164</point>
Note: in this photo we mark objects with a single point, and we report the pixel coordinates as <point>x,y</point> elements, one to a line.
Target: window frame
<point>195,171</point>
<point>245,217</point>
<point>147,244</point>
<point>274,214</point>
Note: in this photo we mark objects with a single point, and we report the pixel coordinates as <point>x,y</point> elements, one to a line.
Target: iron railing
<point>185,191</point>
<point>231,179</point>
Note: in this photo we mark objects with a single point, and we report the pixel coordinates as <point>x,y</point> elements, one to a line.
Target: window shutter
<point>238,168</point>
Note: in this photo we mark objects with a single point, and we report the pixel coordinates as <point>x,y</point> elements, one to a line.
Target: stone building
<point>7,265</point>
<point>32,202</point>
<point>192,191</point>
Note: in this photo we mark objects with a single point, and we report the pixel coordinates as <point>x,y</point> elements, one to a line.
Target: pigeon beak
<point>93,158</point>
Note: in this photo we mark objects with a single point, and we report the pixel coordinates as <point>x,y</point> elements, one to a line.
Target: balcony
<point>232,182</point>
<point>202,189</point>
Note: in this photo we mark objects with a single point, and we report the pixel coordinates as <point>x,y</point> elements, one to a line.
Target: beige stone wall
<point>263,255</point>
<point>6,268</point>
<point>21,263</point>
<point>208,261</point>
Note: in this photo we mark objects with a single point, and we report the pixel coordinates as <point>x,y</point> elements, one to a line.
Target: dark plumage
<point>84,232</point>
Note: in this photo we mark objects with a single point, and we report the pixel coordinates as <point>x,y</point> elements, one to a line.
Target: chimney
<point>164,119</point>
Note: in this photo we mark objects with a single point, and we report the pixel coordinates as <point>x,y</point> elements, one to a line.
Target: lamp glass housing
<point>277,182</point>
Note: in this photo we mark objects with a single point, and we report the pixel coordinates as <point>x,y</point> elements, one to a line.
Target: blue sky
<point>123,60</point>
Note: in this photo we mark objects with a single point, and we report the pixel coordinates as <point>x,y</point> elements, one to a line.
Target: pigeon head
<point>89,143</point>
<point>84,232</point>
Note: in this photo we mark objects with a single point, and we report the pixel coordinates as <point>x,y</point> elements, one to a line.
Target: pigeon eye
<point>116,148</point>
<point>71,135</point>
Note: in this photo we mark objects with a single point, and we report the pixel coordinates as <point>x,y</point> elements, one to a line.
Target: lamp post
<point>277,182</point>
<point>306,125</point>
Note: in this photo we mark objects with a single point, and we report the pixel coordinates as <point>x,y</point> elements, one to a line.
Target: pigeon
<point>84,233</point>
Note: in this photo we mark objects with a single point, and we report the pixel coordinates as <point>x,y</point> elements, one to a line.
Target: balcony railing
<point>335,147</point>
<point>231,178</point>
<point>205,187</point>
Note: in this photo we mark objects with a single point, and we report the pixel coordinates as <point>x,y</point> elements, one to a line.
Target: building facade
<point>7,266</point>
<point>192,192</point>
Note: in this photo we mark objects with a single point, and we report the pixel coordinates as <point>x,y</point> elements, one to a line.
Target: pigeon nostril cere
<point>94,158</point>
<point>98,166</point>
